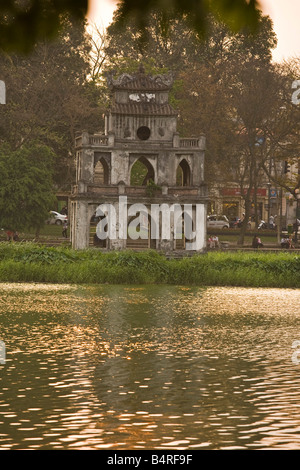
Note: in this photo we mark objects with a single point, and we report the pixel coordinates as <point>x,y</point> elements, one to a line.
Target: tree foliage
<point>26,191</point>
<point>49,96</point>
<point>182,47</point>
<point>227,88</point>
<point>205,108</point>
<point>236,14</point>
<point>205,69</point>
<point>24,23</point>
<point>284,134</point>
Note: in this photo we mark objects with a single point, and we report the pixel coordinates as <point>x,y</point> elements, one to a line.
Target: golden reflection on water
<point>7,286</point>
<point>148,367</point>
<point>242,300</point>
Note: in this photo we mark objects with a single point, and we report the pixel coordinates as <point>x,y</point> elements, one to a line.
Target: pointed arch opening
<point>141,226</point>
<point>141,172</point>
<point>101,172</point>
<point>184,230</point>
<point>183,174</point>
<point>94,240</point>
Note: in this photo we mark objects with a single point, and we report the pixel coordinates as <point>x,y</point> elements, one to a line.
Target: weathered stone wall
<point>125,127</point>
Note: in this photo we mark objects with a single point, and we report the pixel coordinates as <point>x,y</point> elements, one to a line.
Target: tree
<point>173,51</point>
<point>49,96</point>
<point>98,40</point>
<point>266,127</point>
<point>283,167</point>
<point>215,91</point>
<point>26,191</point>
<point>182,48</point>
<point>287,151</point>
<point>236,14</point>
<point>24,24</point>
<point>236,108</point>
<point>205,108</point>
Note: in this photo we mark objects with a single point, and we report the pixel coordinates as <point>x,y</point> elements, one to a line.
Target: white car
<point>217,222</point>
<point>56,218</point>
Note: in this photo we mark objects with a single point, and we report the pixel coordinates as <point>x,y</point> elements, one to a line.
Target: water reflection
<point>148,367</point>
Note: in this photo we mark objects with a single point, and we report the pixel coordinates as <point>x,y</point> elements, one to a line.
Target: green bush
<point>33,263</point>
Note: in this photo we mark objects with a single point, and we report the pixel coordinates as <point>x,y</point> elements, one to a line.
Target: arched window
<point>141,172</point>
<point>184,230</point>
<point>183,174</point>
<point>101,172</point>
<point>94,240</point>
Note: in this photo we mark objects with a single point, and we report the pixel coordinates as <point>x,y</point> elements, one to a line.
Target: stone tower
<point>141,159</point>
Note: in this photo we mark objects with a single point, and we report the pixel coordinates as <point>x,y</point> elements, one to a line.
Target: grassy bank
<point>27,262</point>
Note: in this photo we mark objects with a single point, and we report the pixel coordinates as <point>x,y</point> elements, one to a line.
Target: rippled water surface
<point>116,367</point>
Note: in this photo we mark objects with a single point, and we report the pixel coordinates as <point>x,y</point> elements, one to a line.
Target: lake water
<point>149,367</point>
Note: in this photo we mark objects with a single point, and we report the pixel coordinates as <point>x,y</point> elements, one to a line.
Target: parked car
<point>56,218</point>
<point>217,222</point>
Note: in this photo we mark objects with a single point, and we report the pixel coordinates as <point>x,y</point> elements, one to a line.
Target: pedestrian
<point>64,210</point>
<point>256,242</point>
<point>10,235</point>
<point>284,243</point>
<point>65,229</point>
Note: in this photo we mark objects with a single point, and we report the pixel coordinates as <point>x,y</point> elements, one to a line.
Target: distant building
<point>141,159</point>
<point>267,199</point>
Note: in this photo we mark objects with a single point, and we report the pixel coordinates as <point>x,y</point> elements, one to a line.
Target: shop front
<point>234,206</point>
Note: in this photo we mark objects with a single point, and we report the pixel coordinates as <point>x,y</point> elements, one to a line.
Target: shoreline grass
<point>28,262</point>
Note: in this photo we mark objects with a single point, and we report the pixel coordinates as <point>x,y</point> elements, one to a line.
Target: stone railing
<point>198,142</point>
<point>141,191</point>
<point>98,139</point>
<point>188,191</point>
<point>103,189</point>
<point>86,139</point>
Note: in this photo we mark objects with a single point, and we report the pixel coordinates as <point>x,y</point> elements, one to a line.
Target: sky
<point>286,22</point>
<point>284,13</point>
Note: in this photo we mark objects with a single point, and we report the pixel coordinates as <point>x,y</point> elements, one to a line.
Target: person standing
<point>65,229</point>
<point>64,210</point>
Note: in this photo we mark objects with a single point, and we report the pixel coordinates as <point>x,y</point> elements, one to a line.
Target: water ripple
<point>148,367</point>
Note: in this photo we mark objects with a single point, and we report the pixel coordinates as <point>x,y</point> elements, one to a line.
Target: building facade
<point>139,160</point>
<point>268,200</point>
